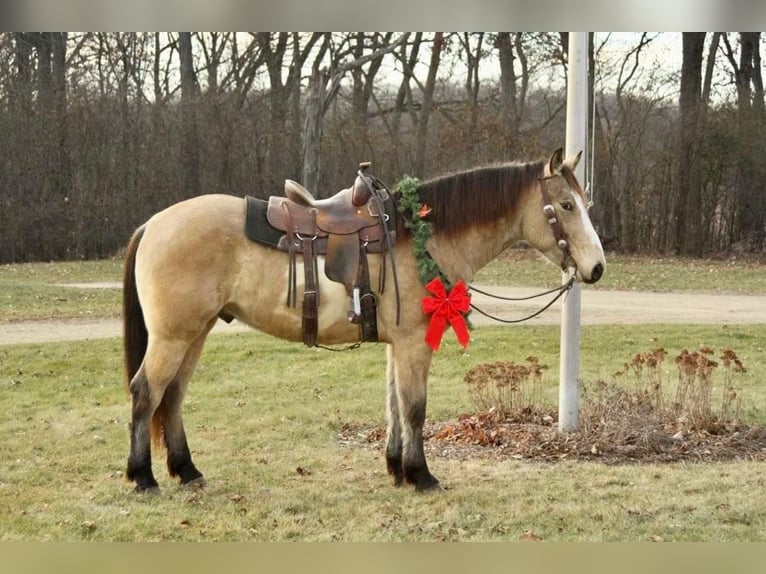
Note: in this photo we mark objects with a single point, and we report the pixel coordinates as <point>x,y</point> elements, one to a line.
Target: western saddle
<point>344,229</point>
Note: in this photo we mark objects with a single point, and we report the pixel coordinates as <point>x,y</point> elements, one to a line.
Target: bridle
<point>554,222</point>
<point>561,240</point>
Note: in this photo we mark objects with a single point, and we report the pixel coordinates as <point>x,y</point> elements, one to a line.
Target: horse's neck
<point>464,253</point>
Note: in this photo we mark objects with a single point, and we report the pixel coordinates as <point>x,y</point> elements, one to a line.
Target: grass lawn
<point>35,291</point>
<point>635,273</point>
<point>259,409</point>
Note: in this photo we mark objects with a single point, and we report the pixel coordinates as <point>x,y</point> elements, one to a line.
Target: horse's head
<point>560,227</point>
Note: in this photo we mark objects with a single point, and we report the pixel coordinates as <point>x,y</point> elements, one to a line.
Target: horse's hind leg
<point>178,454</point>
<point>394,428</point>
<point>140,459</point>
<point>412,360</point>
<point>160,365</point>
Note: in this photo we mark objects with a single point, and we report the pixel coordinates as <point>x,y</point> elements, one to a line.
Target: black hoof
<point>144,481</point>
<point>421,478</point>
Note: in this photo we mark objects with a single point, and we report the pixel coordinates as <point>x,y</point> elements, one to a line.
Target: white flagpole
<point>576,140</point>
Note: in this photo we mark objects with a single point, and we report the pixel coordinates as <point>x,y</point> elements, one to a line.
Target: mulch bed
<point>535,436</point>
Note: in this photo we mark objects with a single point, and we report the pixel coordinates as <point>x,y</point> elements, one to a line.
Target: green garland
<point>410,207</point>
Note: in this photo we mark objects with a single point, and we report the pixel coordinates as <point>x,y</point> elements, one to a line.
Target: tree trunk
<point>312,132</point>
<point>709,68</point>
<point>364,82</point>
<point>190,135</point>
<point>56,188</point>
<point>358,102</point>
<point>472,85</point>
<point>323,87</point>
<point>749,200</point>
<point>22,100</point>
<point>421,143</point>
<point>404,101</point>
<point>751,197</point>
<point>277,141</point>
<point>513,86</point>
<point>690,234</point>
<point>63,167</point>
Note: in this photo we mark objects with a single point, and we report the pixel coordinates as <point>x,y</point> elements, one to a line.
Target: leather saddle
<point>337,225</point>
<point>344,228</point>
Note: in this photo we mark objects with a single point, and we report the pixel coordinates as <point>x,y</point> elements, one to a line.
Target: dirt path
<point>598,307</point>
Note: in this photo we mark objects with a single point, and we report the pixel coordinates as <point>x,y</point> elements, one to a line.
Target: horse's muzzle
<point>595,274</point>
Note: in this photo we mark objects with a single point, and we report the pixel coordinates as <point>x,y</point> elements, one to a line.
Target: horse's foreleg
<point>411,363</point>
<point>179,456</point>
<point>394,428</point>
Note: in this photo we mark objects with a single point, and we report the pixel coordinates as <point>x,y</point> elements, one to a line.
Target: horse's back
<point>198,214</point>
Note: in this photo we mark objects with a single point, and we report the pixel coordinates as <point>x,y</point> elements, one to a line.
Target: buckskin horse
<point>191,264</point>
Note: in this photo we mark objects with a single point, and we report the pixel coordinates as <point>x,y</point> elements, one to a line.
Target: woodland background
<point>98,131</point>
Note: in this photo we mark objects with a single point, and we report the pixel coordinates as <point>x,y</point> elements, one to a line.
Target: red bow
<point>446,308</point>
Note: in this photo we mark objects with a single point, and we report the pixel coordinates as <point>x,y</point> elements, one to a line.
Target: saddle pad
<point>257,227</point>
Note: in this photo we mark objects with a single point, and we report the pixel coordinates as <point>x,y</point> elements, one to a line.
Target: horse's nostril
<point>597,272</point>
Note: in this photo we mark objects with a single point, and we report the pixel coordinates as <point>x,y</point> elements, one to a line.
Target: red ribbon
<point>445,309</point>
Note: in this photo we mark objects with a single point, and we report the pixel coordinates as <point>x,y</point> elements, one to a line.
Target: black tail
<point>135,336</point>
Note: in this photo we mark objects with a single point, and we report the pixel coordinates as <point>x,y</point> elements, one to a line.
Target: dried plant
<point>508,388</point>
<point>692,406</point>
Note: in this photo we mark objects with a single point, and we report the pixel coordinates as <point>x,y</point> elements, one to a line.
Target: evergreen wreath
<point>414,213</point>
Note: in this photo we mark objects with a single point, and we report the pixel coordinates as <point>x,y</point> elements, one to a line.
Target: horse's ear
<point>576,160</point>
<point>554,164</point>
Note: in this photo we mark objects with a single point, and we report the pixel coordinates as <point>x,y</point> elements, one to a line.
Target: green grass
<point>635,273</point>
<point>64,271</point>
<point>259,408</point>
<point>33,291</point>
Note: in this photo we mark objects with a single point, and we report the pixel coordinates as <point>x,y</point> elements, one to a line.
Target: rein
<point>558,290</point>
<point>378,191</point>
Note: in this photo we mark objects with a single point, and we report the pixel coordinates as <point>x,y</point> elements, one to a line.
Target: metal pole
<point>576,140</point>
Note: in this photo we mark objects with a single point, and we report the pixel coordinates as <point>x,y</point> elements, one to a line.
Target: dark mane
<point>476,196</point>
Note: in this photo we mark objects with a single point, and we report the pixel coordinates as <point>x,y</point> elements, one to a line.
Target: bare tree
<point>750,193</point>
<point>364,79</point>
<point>421,139</point>
<point>213,46</point>
<point>95,124</point>
<point>404,100</point>
<point>190,92</point>
<point>473,57</point>
<point>687,213</point>
<point>514,86</point>
<point>324,84</point>
<point>22,97</point>
<point>283,134</point>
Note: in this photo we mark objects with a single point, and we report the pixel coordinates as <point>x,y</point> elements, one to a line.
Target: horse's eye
<point>567,205</point>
